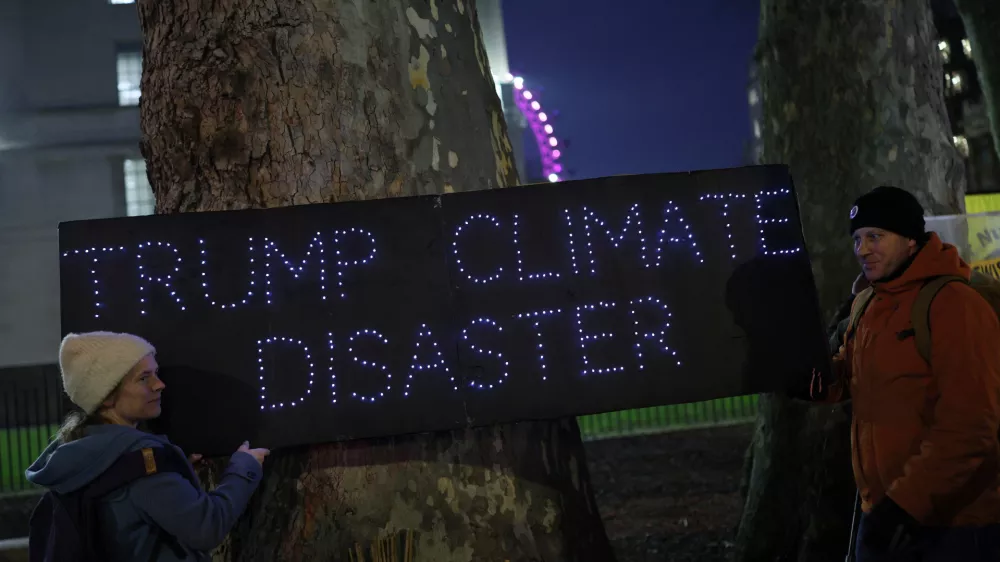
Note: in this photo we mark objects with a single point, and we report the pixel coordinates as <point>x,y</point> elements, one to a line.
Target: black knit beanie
<point>889,208</point>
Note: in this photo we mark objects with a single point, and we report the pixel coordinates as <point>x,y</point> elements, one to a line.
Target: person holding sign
<point>116,492</point>
<point>925,444</point>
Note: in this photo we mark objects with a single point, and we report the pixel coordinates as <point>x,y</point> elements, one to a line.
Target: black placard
<point>329,322</point>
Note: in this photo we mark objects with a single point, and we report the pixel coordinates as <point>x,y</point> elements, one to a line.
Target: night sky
<point>658,87</point>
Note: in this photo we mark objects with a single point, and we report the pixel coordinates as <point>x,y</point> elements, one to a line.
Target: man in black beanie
<point>887,224</point>
<point>926,454</point>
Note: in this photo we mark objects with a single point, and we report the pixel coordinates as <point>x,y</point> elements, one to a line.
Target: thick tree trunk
<point>261,103</point>
<point>852,98</point>
<point>982,25</point>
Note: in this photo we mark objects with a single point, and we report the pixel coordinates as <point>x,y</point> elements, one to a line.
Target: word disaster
<point>378,318</point>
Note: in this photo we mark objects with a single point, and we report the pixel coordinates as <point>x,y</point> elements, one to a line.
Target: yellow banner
<point>982,210</point>
<point>982,203</point>
<point>988,267</point>
<point>984,237</point>
<point>976,234</point>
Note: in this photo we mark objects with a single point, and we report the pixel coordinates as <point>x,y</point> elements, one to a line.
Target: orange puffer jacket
<point>926,435</point>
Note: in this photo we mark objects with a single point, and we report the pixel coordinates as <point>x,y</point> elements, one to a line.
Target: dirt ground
<point>672,497</point>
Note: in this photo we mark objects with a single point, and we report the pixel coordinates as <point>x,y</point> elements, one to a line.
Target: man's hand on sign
<point>801,388</point>
<point>835,387</point>
<point>816,389</point>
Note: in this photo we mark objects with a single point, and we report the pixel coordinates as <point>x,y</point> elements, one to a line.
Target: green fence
<point>19,447</point>
<point>659,419</point>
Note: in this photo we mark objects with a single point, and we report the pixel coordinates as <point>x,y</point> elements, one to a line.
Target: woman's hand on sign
<point>258,454</point>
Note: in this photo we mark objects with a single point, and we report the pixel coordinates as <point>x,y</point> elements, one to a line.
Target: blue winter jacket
<point>132,519</point>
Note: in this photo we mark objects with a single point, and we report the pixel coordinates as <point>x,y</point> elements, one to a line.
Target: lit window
<point>956,82</point>
<point>962,144</point>
<point>754,98</point>
<point>756,128</point>
<point>129,77</point>
<point>945,49</point>
<point>967,47</point>
<point>121,1</point>
<point>139,198</point>
<point>953,82</point>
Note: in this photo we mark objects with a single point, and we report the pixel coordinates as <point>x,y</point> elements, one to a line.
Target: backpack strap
<point>861,303</point>
<point>132,466</point>
<point>920,315</point>
<point>128,468</point>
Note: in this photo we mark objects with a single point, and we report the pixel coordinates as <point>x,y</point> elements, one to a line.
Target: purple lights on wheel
<point>548,145</point>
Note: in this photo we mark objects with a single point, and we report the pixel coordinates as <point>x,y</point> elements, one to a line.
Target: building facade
<point>69,150</point>
<point>70,72</point>
<point>963,97</point>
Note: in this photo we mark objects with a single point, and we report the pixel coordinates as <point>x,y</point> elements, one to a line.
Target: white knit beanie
<point>93,364</point>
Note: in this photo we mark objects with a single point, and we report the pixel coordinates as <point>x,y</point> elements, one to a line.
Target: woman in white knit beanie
<point>158,511</point>
<point>111,378</point>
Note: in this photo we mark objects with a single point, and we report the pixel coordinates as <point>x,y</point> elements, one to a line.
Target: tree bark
<point>260,103</point>
<point>982,25</point>
<point>852,98</point>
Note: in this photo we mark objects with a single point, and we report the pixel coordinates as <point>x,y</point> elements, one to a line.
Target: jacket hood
<point>935,259</point>
<point>66,467</point>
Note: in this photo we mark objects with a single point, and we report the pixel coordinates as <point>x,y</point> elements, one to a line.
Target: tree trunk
<point>260,103</point>
<point>852,98</point>
<point>982,25</point>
